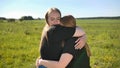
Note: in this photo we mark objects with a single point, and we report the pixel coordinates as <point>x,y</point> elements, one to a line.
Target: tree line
<point>117,17</point>
<point>21,19</point>
<point>31,18</point>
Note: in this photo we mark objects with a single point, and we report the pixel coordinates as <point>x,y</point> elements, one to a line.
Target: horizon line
<point>43,18</point>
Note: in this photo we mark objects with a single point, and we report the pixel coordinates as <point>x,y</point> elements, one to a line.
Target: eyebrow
<point>53,17</point>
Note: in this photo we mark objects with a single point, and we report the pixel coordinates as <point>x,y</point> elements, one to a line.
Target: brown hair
<point>68,21</point>
<point>49,11</point>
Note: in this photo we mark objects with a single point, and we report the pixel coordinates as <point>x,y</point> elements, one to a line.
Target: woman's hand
<point>38,62</point>
<point>80,42</point>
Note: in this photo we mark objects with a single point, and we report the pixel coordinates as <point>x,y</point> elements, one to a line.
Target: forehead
<point>54,14</point>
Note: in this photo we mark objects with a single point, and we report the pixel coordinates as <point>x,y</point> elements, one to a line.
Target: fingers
<point>77,40</point>
<point>80,44</point>
<point>76,45</point>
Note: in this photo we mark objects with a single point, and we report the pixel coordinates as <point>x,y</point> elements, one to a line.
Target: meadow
<point>19,42</point>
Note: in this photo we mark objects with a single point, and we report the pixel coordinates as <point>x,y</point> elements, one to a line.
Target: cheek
<point>54,22</point>
<point>58,22</point>
<point>51,23</point>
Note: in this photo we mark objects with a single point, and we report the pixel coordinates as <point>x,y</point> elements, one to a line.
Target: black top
<point>51,48</point>
<point>80,58</point>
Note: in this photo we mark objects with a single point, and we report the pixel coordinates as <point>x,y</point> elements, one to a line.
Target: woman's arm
<point>62,63</point>
<point>78,32</point>
<point>80,42</point>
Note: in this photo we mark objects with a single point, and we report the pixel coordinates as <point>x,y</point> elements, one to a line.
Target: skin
<point>62,63</point>
<point>54,18</point>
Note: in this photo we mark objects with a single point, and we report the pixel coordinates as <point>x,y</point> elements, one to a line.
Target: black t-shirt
<point>51,48</point>
<point>80,58</point>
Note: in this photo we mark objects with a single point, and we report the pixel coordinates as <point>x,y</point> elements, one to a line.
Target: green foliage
<point>19,42</point>
<point>103,37</point>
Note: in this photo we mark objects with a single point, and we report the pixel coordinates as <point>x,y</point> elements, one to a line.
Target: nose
<point>56,21</point>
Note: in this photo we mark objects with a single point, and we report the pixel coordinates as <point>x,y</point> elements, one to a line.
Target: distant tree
<point>23,18</point>
<point>2,18</point>
<point>38,18</point>
<point>26,18</point>
<point>11,20</point>
<point>20,19</point>
<point>30,18</point>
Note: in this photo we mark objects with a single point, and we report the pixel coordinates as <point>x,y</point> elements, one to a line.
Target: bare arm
<point>79,32</point>
<point>80,42</point>
<point>62,63</point>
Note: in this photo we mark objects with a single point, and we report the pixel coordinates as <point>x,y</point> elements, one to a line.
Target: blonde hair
<point>44,31</point>
<point>46,27</point>
<point>88,50</point>
<point>50,11</point>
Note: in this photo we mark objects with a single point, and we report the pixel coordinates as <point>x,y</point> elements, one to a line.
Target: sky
<point>77,8</point>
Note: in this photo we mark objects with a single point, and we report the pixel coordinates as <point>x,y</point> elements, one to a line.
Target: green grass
<point>19,42</point>
<point>103,37</point>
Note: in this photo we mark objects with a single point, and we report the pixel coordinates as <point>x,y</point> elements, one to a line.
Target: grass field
<point>19,42</point>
